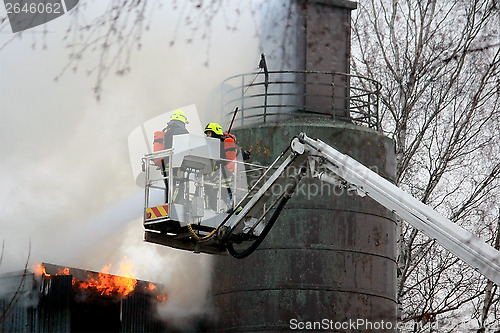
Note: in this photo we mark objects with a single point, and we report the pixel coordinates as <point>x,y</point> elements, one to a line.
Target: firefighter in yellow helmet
<point>224,170</point>
<point>163,140</point>
<point>214,130</point>
<point>176,126</point>
<point>228,145</point>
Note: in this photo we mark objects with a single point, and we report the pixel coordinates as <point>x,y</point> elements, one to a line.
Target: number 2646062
<point>33,8</point>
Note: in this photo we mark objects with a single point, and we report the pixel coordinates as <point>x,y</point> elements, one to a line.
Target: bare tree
<point>109,38</point>
<point>439,64</point>
<point>8,304</point>
<point>488,310</point>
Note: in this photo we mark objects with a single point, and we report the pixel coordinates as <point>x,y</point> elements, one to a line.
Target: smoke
<point>185,279</point>
<point>187,294</point>
<point>66,185</point>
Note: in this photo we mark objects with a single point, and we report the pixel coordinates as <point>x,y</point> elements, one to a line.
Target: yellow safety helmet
<point>214,127</point>
<point>179,115</point>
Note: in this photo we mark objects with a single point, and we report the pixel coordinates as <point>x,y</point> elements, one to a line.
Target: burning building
<point>54,298</point>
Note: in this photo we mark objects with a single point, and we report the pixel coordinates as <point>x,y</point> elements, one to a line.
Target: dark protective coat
<point>174,127</point>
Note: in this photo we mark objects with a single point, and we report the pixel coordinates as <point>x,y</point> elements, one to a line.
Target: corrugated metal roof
<point>53,303</point>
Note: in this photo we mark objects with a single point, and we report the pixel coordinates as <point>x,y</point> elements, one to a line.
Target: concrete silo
<point>331,257</point>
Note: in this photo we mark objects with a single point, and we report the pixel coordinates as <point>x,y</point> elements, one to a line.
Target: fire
<point>160,297</point>
<point>105,283</point>
<point>40,270</point>
<point>64,271</point>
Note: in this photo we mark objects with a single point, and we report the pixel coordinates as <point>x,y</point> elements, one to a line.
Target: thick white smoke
<point>66,185</point>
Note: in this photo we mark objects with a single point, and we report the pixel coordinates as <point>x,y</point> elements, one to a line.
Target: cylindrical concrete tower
<point>329,263</point>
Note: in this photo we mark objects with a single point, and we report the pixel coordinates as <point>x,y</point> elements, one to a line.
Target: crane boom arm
<point>191,225</point>
<point>466,246</point>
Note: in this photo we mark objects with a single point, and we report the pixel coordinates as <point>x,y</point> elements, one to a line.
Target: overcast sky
<point>66,183</point>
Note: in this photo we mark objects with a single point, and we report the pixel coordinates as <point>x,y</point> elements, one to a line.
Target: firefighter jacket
<point>174,127</point>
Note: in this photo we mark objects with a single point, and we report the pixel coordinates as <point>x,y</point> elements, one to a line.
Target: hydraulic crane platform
<point>202,213</point>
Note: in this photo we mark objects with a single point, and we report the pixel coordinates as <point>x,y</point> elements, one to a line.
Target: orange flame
<point>64,271</point>
<point>160,297</point>
<point>39,270</point>
<point>105,283</point>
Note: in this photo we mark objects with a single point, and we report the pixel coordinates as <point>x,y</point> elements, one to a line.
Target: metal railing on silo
<point>286,94</point>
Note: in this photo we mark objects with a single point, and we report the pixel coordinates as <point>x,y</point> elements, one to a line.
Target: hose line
<point>198,238</point>
<point>263,234</point>
<point>248,251</point>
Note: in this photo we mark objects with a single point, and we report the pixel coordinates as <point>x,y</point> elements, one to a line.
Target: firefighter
<point>228,146</point>
<point>228,152</point>
<point>163,140</point>
<point>176,126</point>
